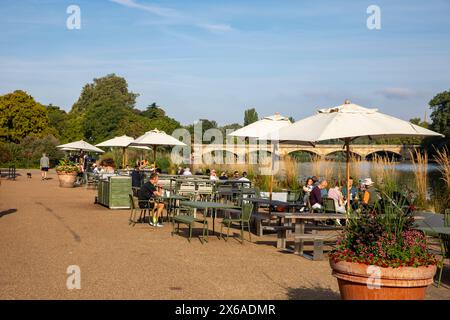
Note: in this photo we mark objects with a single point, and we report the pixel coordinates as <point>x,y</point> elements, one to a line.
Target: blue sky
<point>214,59</point>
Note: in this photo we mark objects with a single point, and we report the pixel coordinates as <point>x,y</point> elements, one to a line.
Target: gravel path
<point>44,229</point>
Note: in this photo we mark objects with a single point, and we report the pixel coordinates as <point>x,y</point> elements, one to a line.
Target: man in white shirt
<point>187,172</point>
<point>244,178</point>
<point>213,176</point>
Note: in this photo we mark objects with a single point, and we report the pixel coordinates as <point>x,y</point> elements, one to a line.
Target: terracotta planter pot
<point>67,179</point>
<point>363,282</point>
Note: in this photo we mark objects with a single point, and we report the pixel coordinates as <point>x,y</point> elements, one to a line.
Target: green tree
<point>21,116</point>
<point>74,128</point>
<point>57,120</point>
<point>154,112</point>
<point>109,89</point>
<point>103,105</point>
<point>159,119</point>
<point>440,115</point>
<point>250,116</point>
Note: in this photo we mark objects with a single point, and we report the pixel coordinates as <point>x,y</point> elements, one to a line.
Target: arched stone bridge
<point>322,150</point>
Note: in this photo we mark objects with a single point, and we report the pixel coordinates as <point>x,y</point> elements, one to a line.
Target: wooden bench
<point>258,219</point>
<point>281,234</point>
<point>318,240</point>
<point>189,221</point>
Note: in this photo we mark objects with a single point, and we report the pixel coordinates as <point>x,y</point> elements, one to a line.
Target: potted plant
<point>67,173</point>
<point>381,257</point>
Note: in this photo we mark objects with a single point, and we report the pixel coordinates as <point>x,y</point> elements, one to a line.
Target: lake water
<point>403,173</point>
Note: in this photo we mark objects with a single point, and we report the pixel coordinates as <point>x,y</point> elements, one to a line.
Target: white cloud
<point>176,16</point>
<point>155,9</point>
<point>396,93</point>
<point>217,27</point>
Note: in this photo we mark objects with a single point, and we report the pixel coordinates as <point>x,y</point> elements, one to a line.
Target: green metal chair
<point>134,207</point>
<point>188,219</point>
<point>329,206</point>
<point>245,217</point>
<point>445,251</point>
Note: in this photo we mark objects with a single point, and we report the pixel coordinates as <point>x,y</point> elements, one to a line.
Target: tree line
<point>107,108</point>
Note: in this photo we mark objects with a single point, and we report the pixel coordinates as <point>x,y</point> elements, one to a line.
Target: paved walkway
<point>44,229</point>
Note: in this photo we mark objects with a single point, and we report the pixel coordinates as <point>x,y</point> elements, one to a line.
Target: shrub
<point>383,238</point>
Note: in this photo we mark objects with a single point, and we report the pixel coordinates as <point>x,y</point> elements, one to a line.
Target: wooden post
<point>271,173</point>
<point>347,146</point>
<point>154,156</point>
<point>124,157</point>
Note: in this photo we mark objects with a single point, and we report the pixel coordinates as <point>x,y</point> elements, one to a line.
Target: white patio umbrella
<point>81,146</point>
<point>260,129</point>
<point>155,138</point>
<point>121,142</point>
<point>348,122</point>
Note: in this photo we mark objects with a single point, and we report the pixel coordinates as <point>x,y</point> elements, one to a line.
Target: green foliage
<point>57,120</point>
<point>108,90</point>
<point>74,128</point>
<point>164,164</point>
<point>440,117</point>
<point>28,152</point>
<point>383,237</point>
<point>66,166</point>
<point>101,108</point>
<point>250,116</point>
<point>154,112</point>
<point>21,116</point>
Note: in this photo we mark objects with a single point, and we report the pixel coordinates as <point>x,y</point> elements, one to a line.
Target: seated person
<point>187,172</point>
<point>336,194</point>
<point>353,190</point>
<point>213,175</point>
<point>150,191</point>
<point>223,176</point>
<point>371,196</point>
<point>245,179</point>
<point>307,188</point>
<point>315,197</point>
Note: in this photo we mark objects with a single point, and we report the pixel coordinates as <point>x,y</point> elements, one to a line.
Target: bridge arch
<point>303,154</point>
<point>342,155</point>
<point>385,154</point>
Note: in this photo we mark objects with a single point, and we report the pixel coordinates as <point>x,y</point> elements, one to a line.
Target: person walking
<point>44,164</point>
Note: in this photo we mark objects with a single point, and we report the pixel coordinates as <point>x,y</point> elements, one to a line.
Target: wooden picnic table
<point>205,206</point>
<point>299,220</point>
<point>271,203</point>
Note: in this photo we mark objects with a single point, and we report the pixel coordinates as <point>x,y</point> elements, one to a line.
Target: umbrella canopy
<point>156,138</point>
<point>121,142</point>
<point>262,127</point>
<point>347,122</point>
<point>80,145</point>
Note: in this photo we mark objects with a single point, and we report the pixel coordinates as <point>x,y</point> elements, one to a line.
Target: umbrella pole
<point>154,157</point>
<point>347,147</point>
<point>271,173</point>
<point>124,158</point>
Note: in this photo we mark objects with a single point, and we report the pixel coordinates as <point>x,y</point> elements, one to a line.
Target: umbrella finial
<point>347,101</point>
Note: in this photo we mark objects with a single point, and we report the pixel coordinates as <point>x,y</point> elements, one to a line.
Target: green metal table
<point>173,200</point>
<point>206,205</point>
